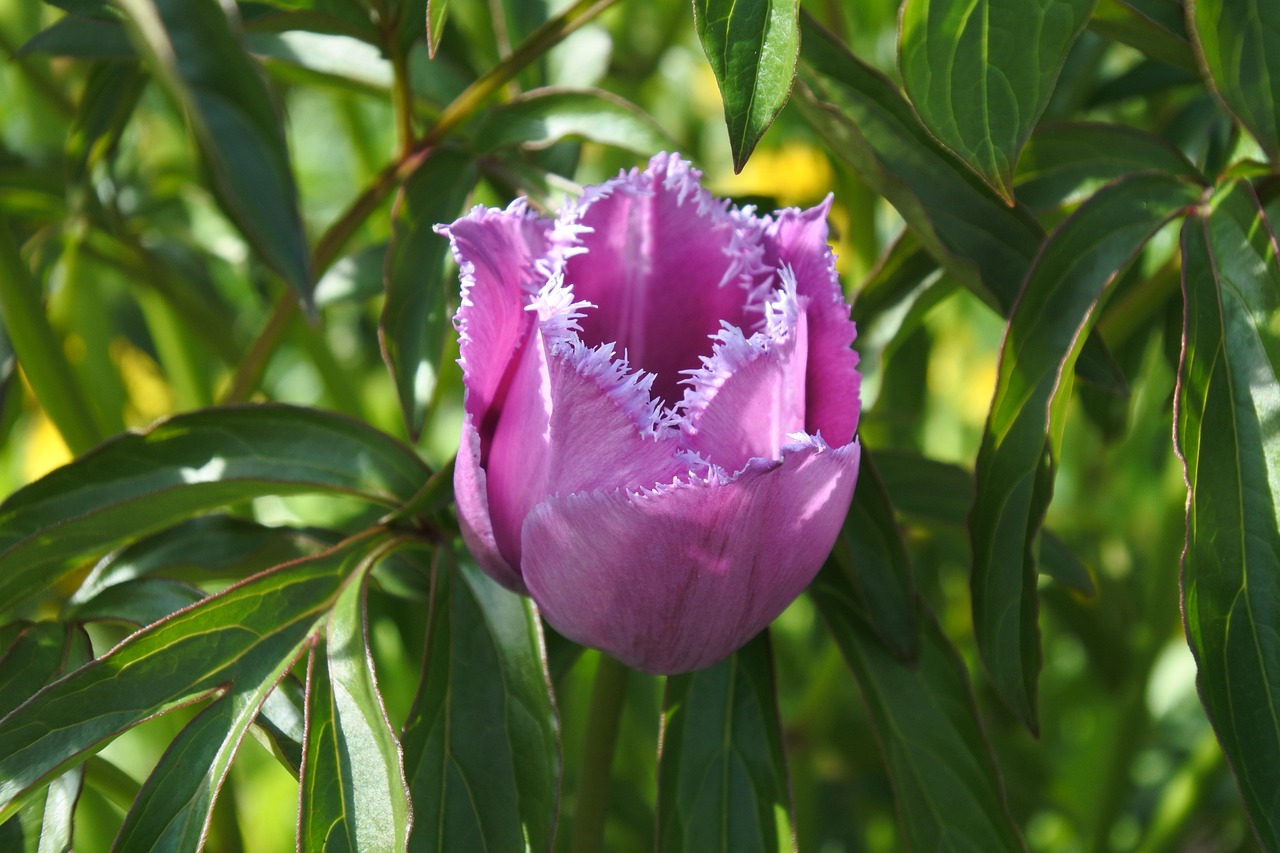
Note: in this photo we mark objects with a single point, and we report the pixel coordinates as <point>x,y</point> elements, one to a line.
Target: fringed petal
<point>607,432</point>
<point>676,578</point>
<point>749,394</point>
<point>797,240</point>
<point>665,263</point>
<point>498,254</point>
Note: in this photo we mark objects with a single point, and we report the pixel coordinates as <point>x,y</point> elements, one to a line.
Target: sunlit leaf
<point>437,14</point>
<point>1239,44</point>
<point>722,778</point>
<point>1227,412</point>
<point>1080,259</point>
<point>483,712</point>
<point>353,794</point>
<point>139,483</point>
<point>752,46</point>
<point>415,318</point>
<point>980,72</point>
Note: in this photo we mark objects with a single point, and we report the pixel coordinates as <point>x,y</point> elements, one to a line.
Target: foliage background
<point>153,263</point>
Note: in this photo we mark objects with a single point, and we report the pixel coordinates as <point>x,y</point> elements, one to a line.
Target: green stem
<point>591,807</point>
<point>39,351</point>
<point>1182,796</point>
<point>254,364</point>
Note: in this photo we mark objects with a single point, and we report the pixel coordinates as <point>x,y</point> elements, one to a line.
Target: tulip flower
<point>660,414</point>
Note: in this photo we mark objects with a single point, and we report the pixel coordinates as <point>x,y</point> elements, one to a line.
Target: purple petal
<point>664,264</point>
<point>606,430</point>
<point>497,252</point>
<point>750,394</point>
<point>471,492</point>
<point>677,578</point>
<point>798,240</point>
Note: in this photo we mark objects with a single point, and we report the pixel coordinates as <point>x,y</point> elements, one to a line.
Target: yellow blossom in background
<point>45,449</point>
<point>150,396</point>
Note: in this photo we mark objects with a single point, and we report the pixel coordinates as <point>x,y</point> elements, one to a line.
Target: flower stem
<point>40,352</point>
<point>597,756</point>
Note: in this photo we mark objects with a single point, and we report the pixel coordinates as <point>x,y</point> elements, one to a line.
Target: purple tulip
<point>661,402</point>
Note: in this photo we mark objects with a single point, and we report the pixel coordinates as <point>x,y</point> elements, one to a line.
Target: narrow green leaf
<point>110,94</point>
<point>722,776</point>
<point>415,318</point>
<point>196,54</point>
<point>1227,438</point>
<point>1068,162</point>
<point>1013,480</point>
<point>869,566</point>
<point>483,711</point>
<point>1238,42</point>
<point>353,792</point>
<point>437,14</point>
<point>980,73</point>
<point>1158,28</point>
<point>242,636</point>
<point>138,483</point>
<point>543,117</point>
<point>43,360</point>
<point>945,780</point>
<point>752,46</point>
<point>984,243</point>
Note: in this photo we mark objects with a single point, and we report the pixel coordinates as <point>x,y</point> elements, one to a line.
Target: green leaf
<point>1239,45</point>
<point>483,712</point>
<point>1080,259</point>
<point>722,773</point>
<point>173,809</point>
<point>752,46</point>
<point>1158,28</point>
<point>337,61</point>
<point>111,92</point>
<point>437,14</point>
<point>353,794</point>
<point>980,73</point>
<point>945,779</point>
<point>415,318</point>
<point>41,653</point>
<point>138,483</point>
<point>984,243</point>
<point>543,117</point>
<point>81,37</point>
<point>195,53</point>
<point>1068,162</point>
<point>244,636</point>
<point>869,566</point>
<point>1227,438</point>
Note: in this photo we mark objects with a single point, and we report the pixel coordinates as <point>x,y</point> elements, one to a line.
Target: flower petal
<point>606,431</point>
<point>664,264</point>
<point>497,252</point>
<point>471,492</point>
<point>798,240</point>
<point>675,579</point>
<point>749,396</point>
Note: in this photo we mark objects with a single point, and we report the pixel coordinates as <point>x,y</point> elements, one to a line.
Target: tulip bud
<point>661,405</point>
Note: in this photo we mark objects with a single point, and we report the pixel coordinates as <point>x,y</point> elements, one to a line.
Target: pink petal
<point>798,239</point>
<point>664,265</point>
<point>471,492</point>
<point>497,252</point>
<point>606,431</point>
<point>750,394</point>
<point>677,578</point>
